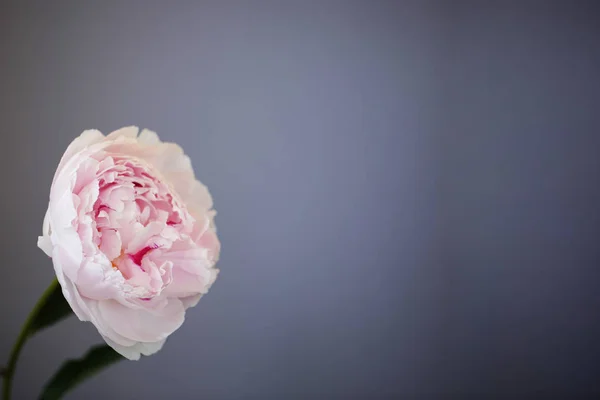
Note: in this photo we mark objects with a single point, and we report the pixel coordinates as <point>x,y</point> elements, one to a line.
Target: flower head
<point>132,237</point>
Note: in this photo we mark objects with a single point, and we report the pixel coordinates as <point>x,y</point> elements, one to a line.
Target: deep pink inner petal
<point>137,257</point>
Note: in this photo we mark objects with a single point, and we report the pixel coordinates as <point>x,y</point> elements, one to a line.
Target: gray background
<point>407,191</point>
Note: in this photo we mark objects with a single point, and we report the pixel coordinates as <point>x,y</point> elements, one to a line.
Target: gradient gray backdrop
<point>407,191</point>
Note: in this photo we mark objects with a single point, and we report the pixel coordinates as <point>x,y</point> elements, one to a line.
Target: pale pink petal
<point>86,173</point>
<point>154,273</point>
<point>185,283</point>
<point>142,325</point>
<point>110,243</point>
<point>86,309</point>
<point>129,231</point>
<point>103,327</point>
<point>134,273</point>
<point>116,196</point>
<point>144,237</point>
<point>198,198</point>
<point>106,163</point>
<point>170,160</point>
<point>210,242</point>
<point>87,234</point>
<point>87,197</point>
<point>96,279</point>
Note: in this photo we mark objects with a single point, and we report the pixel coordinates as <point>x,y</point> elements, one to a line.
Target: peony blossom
<point>131,235</point>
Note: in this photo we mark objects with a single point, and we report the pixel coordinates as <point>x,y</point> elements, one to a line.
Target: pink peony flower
<point>131,235</point>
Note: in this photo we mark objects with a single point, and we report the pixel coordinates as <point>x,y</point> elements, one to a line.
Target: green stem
<point>21,339</point>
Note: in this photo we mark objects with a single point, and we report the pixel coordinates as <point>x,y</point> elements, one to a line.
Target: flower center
<point>115,262</point>
<point>136,258</point>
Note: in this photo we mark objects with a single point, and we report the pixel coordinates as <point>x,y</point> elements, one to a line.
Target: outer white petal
<point>148,137</point>
<point>143,325</point>
<point>69,290</point>
<point>86,139</point>
<point>44,241</point>
<point>46,229</point>
<point>190,301</point>
<point>45,244</point>
<point>134,352</point>
<point>197,198</point>
<point>128,131</point>
<point>103,328</point>
<point>68,251</point>
<point>129,352</point>
<point>150,348</point>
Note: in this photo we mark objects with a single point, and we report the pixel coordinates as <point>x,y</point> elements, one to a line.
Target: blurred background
<point>407,190</point>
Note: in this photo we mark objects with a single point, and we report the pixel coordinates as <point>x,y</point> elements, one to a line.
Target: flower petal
<point>191,301</point>
<point>129,352</point>
<point>69,290</point>
<point>133,352</point>
<point>143,325</point>
<point>98,281</point>
<point>128,132</point>
<point>148,137</point>
<point>86,139</point>
<point>150,348</point>
<point>45,244</point>
<point>110,243</point>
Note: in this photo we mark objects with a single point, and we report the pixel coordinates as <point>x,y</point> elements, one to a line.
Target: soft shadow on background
<point>407,190</point>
